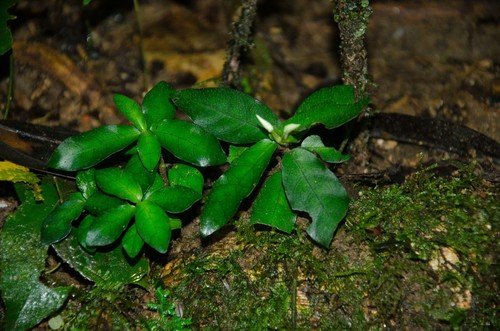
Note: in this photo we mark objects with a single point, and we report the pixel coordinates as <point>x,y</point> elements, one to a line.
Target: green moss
<point>419,255</point>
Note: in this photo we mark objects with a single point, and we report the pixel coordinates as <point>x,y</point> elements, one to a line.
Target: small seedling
<point>141,190</point>
<point>168,317</point>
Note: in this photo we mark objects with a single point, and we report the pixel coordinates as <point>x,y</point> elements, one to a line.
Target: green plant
<point>111,197</point>
<point>143,190</point>
<point>168,318</point>
<point>5,34</point>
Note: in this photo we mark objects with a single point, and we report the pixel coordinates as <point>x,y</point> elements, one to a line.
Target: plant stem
<point>145,73</point>
<point>10,86</point>
<point>240,39</point>
<point>352,19</point>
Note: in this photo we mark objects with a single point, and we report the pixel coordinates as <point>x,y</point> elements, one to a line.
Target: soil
<point>431,59</point>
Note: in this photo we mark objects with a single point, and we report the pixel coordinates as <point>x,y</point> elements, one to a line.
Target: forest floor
<point>419,249</point>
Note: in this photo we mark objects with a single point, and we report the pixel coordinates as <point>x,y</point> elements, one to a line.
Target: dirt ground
<point>431,59</point>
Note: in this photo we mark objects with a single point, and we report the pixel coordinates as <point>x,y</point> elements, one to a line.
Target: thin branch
<point>240,41</point>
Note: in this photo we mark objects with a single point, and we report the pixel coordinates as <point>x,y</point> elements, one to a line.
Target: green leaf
<point>81,232</point>
<point>272,208</point>
<point>144,177</point>
<point>85,181</point>
<point>5,34</point>
<point>57,225</point>
<point>103,268</point>
<point>330,106</point>
<point>131,110</point>
<point>153,225</point>
<point>108,227</point>
<point>174,199</point>
<point>120,183</point>
<point>235,152</point>
<point>157,106</point>
<point>184,175</point>
<point>328,154</point>
<point>234,185</point>
<point>22,259</point>
<point>99,202</point>
<point>229,115</point>
<point>190,143</point>
<point>132,243</point>
<point>157,184</point>
<point>149,150</point>
<point>89,148</point>
<point>313,188</point>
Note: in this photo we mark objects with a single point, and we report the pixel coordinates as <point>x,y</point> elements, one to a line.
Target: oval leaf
<point>149,150</point>
<point>313,188</point>
<point>132,243</point>
<point>144,177</point>
<point>272,208</point>
<point>153,225</point>
<point>234,185</point>
<point>190,143</point>
<point>81,233</point>
<point>99,202</point>
<point>89,148</point>
<point>120,183</point>
<point>184,175</point>
<point>330,106</point>
<point>229,115</point>
<point>327,154</point>
<point>157,106</point>
<point>109,226</point>
<point>85,181</point>
<point>131,110</point>
<point>174,199</point>
<point>57,225</point>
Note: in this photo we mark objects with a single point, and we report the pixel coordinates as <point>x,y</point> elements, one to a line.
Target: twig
<point>240,40</point>
<point>352,19</point>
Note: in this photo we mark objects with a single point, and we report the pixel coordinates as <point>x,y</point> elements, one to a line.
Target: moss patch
<point>418,255</point>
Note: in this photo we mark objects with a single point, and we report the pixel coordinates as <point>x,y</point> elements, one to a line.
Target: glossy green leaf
<point>157,105</point>
<point>120,183</point>
<point>132,243</point>
<point>327,154</point>
<point>81,233</point>
<point>104,268</point>
<point>229,115</point>
<point>234,185</point>
<point>174,199</point>
<point>153,225</point>
<point>144,177</point>
<point>99,202</point>
<point>235,152</point>
<point>185,175</point>
<point>85,181</point>
<point>330,106</point>
<point>157,184</point>
<point>311,187</point>
<point>89,148</point>
<point>149,150</point>
<point>57,225</point>
<point>272,208</point>
<point>108,227</point>
<point>25,300</point>
<point>190,143</point>
<point>131,110</point>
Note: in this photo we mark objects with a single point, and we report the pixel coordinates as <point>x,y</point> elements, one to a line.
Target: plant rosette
<point>108,199</point>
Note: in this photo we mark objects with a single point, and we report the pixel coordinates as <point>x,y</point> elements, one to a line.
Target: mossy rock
<point>418,255</point>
